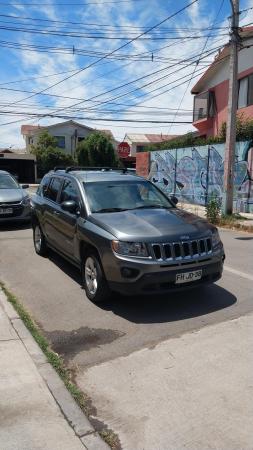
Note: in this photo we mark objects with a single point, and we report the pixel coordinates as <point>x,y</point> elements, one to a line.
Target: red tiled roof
<point>26,129</point>
<point>160,137</point>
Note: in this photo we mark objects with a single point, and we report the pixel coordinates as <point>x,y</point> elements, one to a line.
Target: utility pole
<point>232,108</point>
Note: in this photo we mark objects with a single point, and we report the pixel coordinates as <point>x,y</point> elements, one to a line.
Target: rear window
<point>42,189</point>
<point>7,182</point>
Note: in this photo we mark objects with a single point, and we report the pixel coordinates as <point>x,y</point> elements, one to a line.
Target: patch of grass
<point>110,438</point>
<point>58,363</point>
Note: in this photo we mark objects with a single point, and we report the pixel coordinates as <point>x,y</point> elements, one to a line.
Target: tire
<point>39,240</point>
<point>93,278</point>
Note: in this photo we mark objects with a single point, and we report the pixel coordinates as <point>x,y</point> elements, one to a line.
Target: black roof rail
<point>105,169</point>
<point>59,168</point>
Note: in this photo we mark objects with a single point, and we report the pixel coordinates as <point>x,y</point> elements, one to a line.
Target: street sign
<point>123,150</point>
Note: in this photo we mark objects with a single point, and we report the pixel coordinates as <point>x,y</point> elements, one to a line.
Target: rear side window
<point>53,189</point>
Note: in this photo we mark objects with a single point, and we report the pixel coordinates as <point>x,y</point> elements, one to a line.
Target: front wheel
<point>94,281</point>
<point>39,240</point>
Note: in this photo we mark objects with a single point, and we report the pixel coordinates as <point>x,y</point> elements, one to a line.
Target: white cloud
<point>86,84</point>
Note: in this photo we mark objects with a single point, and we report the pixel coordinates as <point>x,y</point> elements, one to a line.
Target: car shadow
<point>14,226</point>
<point>244,238</point>
<point>172,307</point>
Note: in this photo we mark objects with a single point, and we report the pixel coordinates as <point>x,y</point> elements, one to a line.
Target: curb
<point>237,227</point>
<point>89,438</point>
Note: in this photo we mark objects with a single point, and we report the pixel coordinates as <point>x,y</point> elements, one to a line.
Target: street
<point>87,335</point>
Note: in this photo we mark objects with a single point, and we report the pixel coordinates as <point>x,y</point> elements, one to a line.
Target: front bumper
<point>164,281</point>
<point>20,214</point>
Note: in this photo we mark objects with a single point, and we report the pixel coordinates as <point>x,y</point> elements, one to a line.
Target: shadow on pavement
<point>172,307</point>
<point>158,309</point>
<point>244,238</point>
<point>14,226</point>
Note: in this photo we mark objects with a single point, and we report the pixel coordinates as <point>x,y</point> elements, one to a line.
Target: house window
<point>204,105</point>
<point>80,138</point>
<point>30,140</point>
<point>60,141</point>
<point>140,148</point>
<point>245,94</point>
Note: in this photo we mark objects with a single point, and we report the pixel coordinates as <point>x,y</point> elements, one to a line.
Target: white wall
<point>245,62</point>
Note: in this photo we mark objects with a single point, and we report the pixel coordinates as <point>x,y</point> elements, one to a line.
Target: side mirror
<point>69,206</point>
<point>174,199</point>
<point>24,186</point>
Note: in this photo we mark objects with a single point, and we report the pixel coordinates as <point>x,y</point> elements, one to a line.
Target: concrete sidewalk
<point>36,410</point>
<point>194,392</point>
<point>201,211</point>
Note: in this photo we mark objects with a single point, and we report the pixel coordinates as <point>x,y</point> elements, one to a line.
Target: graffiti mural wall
<point>196,174</point>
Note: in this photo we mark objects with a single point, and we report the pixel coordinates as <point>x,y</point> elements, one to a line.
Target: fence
<point>196,174</point>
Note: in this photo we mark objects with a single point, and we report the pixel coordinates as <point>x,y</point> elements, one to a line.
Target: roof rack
<point>59,168</point>
<point>102,169</point>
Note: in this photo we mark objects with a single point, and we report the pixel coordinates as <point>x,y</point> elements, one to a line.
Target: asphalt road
<point>87,334</point>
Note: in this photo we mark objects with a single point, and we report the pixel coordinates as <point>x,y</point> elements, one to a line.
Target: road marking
<point>239,273</point>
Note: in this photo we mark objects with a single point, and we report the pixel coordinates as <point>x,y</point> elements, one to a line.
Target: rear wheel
<point>39,240</point>
<point>94,281</point>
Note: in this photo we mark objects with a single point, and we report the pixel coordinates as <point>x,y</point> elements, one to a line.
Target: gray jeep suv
<point>123,233</point>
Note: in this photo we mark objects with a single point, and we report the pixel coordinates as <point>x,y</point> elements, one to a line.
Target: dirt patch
<point>70,343</point>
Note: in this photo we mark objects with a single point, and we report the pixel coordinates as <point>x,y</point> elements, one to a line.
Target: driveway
<point>93,339</point>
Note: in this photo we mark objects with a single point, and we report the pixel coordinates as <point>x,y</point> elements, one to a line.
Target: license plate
<point>187,277</point>
<point>6,210</point>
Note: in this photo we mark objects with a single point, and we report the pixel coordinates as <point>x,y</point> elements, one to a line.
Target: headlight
<point>215,238</point>
<point>130,248</point>
<point>26,201</point>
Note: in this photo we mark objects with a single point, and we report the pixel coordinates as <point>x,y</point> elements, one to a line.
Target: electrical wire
<point>197,63</point>
<point>113,51</point>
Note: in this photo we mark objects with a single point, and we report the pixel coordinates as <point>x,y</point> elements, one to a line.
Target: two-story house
<point>67,134</point>
<point>211,90</point>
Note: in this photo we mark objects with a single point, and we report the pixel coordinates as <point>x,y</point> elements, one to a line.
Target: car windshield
<point>7,182</point>
<point>115,196</point>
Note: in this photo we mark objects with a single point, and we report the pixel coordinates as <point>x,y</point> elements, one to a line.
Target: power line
<point>110,26</point>
<point>105,102</point>
<point>112,52</point>
<point>68,4</point>
<point>136,89</point>
<point>197,63</point>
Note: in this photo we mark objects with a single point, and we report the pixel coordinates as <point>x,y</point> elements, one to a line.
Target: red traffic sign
<point>123,150</point>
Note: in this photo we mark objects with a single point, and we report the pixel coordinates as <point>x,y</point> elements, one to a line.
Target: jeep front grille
<point>182,250</point>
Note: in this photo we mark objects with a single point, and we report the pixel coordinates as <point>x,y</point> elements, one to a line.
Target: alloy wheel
<point>91,278</point>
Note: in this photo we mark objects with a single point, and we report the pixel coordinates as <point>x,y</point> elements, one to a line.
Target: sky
<point>99,62</point>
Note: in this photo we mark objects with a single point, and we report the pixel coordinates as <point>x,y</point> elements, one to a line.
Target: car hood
<point>12,195</point>
<point>152,224</point>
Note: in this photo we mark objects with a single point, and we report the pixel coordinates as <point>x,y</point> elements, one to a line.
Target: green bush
<point>96,150</point>
<point>187,140</point>
<point>244,128</point>
<point>213,210</point>
<point>48,155</point>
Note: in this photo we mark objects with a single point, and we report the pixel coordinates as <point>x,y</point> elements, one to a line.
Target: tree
<point>49,155</point>
<point>96,150</point>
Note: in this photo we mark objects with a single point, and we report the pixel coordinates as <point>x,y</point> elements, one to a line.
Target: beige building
<point>68,134</point>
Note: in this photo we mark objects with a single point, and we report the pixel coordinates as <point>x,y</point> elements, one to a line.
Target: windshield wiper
<point>105,210</point>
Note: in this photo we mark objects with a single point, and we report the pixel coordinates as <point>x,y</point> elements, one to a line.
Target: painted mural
<point>196,174</point>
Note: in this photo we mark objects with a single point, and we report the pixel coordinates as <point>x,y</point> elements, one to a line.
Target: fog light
<point>128,272</point>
